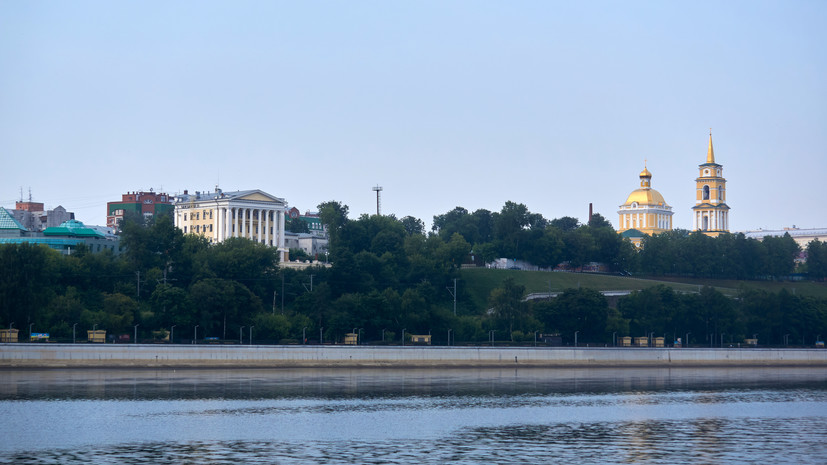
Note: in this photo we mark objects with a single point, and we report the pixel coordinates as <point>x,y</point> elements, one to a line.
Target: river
<point>390,416</point>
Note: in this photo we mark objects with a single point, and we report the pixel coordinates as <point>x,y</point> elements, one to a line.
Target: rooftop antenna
<point>30,195</point>
<point>378,189</point>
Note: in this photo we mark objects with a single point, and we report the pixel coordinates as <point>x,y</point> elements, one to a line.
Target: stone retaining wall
<point>203,356</point>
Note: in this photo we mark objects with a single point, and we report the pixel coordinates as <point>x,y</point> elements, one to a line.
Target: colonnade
<point>711,220</point>
<point>641,220</point>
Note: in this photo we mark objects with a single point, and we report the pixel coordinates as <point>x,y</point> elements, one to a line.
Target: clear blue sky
<point>444,104</point>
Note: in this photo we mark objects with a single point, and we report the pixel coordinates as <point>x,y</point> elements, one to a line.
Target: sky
<point>553,104</point>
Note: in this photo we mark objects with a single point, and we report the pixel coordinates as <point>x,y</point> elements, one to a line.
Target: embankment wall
<point>205,356</point>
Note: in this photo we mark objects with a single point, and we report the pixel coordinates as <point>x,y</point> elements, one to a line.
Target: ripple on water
<point>715,440</point>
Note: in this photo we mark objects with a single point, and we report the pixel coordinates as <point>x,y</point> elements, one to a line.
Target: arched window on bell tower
<point>706,193</point>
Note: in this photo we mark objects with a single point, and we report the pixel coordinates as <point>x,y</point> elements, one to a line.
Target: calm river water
<point>467,416</point>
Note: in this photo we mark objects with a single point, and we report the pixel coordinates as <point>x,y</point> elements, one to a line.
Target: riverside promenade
<point>50,355</point>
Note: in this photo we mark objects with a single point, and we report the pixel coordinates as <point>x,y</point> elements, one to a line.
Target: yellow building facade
<point>645,211</point>
<point>253,214</point>
<point>710,214</point>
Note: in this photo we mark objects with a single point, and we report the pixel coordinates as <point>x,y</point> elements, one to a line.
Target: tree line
<point>389,277</point>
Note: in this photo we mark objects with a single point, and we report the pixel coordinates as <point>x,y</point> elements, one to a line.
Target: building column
<point>217,224</point>
<point>249,223</point>
<point>281,234</point>
<point>267,227</point>
<point>217,221</point>
<point>260,237</point>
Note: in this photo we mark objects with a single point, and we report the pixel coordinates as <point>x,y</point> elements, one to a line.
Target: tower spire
<point>710,154</point>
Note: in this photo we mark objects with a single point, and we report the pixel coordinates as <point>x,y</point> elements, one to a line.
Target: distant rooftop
<point>7,221</point>
<point>73,228</point>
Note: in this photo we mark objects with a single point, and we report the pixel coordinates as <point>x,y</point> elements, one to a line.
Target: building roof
<point>218,194</point>
<point>761,233</point>
<point>72,228</point>
<point>645,195</point>
<point>7,221</point>
<point>710,154</point>
<point>630,233</point>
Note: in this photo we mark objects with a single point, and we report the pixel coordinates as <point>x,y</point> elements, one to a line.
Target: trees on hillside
<point>388,275</point>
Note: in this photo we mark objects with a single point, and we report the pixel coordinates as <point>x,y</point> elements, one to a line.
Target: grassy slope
<point>480,282</point>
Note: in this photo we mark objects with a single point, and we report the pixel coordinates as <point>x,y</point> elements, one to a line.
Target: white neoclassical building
<point>253,214</point>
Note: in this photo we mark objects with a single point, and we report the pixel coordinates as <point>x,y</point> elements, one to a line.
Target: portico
<point>219,215</point>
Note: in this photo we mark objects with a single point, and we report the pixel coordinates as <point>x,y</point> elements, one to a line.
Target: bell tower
<point>710,214</point>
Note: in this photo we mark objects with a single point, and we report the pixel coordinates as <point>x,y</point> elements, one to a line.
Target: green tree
<point>817,260</point>
<point>296,225</point>
<point>583,310</point>
<point>223,305</point>
<point>507,306</point>
<point>27,274</point>
<point>413,226</point>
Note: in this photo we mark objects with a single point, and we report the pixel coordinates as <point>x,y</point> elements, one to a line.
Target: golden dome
<point>645,173</point>
<point>645,196</point>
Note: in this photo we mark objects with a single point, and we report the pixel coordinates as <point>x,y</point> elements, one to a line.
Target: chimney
<point>590,213</point>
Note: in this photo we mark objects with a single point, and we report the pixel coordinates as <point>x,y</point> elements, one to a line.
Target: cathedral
<point>645,211</point>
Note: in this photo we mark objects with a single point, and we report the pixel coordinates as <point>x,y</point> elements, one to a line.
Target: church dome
<point>645,196</point>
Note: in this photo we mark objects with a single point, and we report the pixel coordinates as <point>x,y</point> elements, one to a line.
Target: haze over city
<point>552,104</point>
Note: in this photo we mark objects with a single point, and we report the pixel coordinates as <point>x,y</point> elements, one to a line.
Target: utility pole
<point>454,295</point>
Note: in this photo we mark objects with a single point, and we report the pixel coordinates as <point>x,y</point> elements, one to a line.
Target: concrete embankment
<point>206,356</point>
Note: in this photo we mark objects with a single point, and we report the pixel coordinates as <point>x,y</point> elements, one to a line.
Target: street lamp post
<point>383,335</point>
<point>241,335</point>
<point>321,335</point>
<point>575,338</point>
<point>359,337</point>
<point>74,326</point>
<point>304,338</point>
<point>172,334</point>
<point>195,336</point>
<point>251,335</point>
<point>403,336</point>
<point>30,331</point>
<point>535,338</point>
<point>136,333</point>
<point>614,339</point>
<point>492,337</point>
<point>687,339</point>
<point>449,336</point>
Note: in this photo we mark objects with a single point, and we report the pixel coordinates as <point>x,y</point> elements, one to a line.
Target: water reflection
<point>414,416</point>
<point>368,383</point>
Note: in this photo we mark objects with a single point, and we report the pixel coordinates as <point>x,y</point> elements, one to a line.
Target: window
<point>185,217</point>
<point>706,194</point>
<point>185,229</point>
